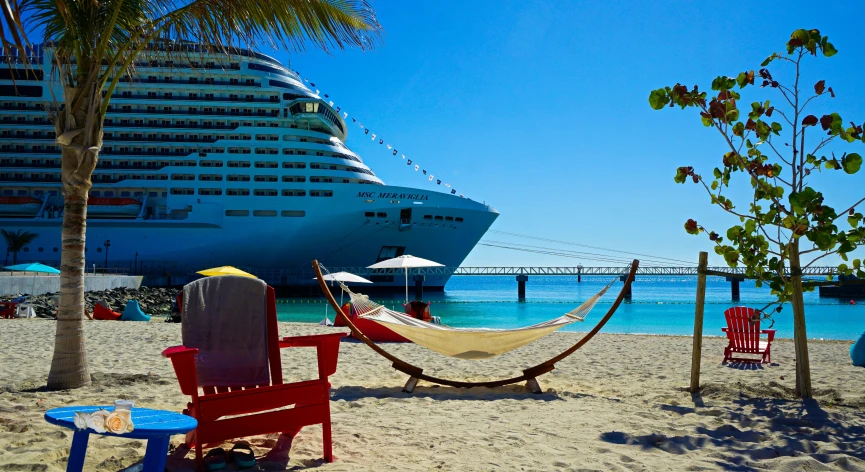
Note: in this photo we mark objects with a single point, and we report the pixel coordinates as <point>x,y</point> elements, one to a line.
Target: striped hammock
<point>464,343</point>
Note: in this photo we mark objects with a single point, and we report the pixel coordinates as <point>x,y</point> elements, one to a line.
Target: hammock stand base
<point>529,375</point>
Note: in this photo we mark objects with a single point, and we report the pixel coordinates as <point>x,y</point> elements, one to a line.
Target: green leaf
<point>828,49</point>
<point>768,60</point>
<point>851,163</point>
<point>658,99</point>
<point>776,127</point>
<point>714,185</point>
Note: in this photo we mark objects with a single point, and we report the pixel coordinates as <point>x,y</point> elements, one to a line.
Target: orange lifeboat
<point>109,207</point>
<point>19,206</point>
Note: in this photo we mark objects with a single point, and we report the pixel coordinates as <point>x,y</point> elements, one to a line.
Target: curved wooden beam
<point>528,374</point>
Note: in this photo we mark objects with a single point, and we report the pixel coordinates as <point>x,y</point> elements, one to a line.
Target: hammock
<point>465,343</point>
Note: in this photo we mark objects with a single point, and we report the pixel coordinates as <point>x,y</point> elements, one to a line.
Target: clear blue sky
<point>540,109</point>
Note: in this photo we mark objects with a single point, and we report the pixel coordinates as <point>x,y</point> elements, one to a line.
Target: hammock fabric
<point>464,343</point>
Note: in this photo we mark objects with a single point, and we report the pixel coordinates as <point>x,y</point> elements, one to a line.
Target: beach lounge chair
<point>133,312</point>
<point>102,312</point>
<point>8,309</point>
<point>743,333</point>
<point>230,365</point>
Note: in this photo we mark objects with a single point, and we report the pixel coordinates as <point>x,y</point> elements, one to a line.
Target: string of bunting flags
<point>368,132</point>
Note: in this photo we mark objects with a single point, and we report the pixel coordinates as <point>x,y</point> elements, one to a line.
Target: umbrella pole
<point>406,285</point>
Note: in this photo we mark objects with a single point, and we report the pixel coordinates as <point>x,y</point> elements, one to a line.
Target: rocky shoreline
<point>153,300</point>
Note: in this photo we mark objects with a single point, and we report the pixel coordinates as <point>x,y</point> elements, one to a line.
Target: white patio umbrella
<point>405,262</point>
<point>346,278</point>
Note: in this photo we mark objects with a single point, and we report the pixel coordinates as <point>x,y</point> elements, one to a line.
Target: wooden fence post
<point>698,322</point>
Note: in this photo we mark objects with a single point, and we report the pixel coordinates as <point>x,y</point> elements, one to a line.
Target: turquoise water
<point>659,305</point>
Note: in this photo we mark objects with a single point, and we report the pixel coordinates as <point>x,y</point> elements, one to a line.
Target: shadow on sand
<point>436,392</point>
<point>756,429</point>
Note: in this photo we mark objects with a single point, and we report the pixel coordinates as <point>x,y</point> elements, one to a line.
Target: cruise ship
<point>219,159</point>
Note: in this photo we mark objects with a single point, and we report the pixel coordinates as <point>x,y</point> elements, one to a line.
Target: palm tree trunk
<point>79,132</point>
<point>14,257</point>
<point>800,337</point>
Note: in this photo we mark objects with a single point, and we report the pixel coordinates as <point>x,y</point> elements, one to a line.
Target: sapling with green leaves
<point>786,220</point>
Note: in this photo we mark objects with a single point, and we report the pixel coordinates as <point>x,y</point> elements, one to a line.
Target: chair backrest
<point>232,321</point>
<point>742,332</point>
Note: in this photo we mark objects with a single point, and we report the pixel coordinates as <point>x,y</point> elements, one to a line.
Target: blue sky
<point>540,109</point>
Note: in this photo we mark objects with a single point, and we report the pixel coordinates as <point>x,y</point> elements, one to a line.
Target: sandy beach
<point>620,403</point>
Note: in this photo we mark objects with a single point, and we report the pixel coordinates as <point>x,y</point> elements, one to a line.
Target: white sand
<point>618,404</point>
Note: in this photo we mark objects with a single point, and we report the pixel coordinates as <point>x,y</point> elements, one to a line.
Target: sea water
<point>658,305</point>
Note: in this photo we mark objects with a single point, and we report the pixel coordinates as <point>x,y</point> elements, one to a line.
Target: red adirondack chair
<point>259,403</point>
<point>8,309</point>
<point>743,332</point>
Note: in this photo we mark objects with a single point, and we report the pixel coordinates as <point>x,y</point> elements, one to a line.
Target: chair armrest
<point>327,347</point>
<point>725,329</point>
<point>770,333</point>
<point>183,360</point>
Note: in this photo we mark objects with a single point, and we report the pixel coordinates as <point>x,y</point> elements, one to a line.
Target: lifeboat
<point>19,206</point>
<point>108,207</point>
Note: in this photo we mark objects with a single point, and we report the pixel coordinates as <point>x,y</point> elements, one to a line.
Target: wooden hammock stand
<point>529,375</point>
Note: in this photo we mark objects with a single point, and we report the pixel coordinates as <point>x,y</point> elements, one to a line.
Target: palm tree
<point>95,44</point>
<point>17,241</point>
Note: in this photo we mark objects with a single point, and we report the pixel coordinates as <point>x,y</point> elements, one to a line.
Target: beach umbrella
<point>346,278</point>
<point>34,267</point>
<point>224,270</point>
<point>405,262</point>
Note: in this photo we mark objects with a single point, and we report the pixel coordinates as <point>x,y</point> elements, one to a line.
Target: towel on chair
<point>225,317</point>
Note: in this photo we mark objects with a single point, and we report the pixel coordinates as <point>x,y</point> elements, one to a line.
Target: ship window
<point>264,213</point>
<point>438,217</point>
<point>369,214</point>
<point>236,212</point>
<point>320,193</point>
<point>293,178</point>
<point>237,192</point>
<point>124,194</point>
<point>427,217</point>
<point>294,193</point>
<point>459,219</point>
<point>293,213</point>
<point>154,194</point>
<point>381,214</point>
<point>182,191</point>
<point>41,249</point>
<point>55,249</point>
<point>21,91</point>
<point>109,194</point>
<point>96,193</point>
<point>449,218</point>
<point>265,178</point>
<point>99,249</point>
<point>210,191</point>
<point>265,192</point>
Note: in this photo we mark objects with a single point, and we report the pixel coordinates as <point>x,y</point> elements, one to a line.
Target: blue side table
<point>155,426</point>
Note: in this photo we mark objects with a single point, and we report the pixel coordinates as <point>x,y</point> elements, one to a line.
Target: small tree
<point>787,218</point>
<point>17,241</point>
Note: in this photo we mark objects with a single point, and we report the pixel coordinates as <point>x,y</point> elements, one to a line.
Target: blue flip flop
<point>215,459</point>
<point>242,455</point>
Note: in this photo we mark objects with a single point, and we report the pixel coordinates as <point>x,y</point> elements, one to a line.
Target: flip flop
<point>215,459</point>
<point>242,455</point>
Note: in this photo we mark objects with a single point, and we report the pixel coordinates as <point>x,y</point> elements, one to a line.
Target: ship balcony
<point>109,123</point>
<point>203,100</point>
<point>192,81</point>
<point>255,114</point>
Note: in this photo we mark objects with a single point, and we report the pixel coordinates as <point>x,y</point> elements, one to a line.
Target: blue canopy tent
<point>36,268</point>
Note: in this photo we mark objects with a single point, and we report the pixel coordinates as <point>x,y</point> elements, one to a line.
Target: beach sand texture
<point>620,403</point>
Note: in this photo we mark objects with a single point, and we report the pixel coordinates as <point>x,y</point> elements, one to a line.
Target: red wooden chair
<point>260,404</point>
<point>8,309</point>
<point>743,332</point>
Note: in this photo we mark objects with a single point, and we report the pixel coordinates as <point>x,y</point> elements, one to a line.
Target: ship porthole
<point>26,249</point>
<point>41,249</point>
<point>55,249</point>
<point>99,249</point>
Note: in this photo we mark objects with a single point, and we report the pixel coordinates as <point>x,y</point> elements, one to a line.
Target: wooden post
<point>698,322</point>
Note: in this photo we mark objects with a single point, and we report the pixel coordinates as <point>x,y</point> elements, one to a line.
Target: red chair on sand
<point>100,312</point>
<point>8,309</point>
<point>743,332</point>
<point>263,405</point>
